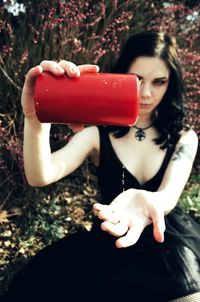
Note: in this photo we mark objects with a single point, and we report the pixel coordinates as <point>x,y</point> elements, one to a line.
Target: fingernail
<point>74,70</point>
<point>59,69</point>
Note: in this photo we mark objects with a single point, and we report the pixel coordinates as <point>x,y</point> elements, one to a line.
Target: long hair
<point>170,111</point>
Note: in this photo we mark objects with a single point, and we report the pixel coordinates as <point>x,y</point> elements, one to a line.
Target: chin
<point>145,111</point>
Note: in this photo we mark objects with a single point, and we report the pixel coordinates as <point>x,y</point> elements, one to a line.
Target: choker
<point>140,134</point>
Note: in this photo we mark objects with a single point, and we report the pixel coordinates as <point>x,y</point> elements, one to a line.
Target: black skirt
<point>88,267</point>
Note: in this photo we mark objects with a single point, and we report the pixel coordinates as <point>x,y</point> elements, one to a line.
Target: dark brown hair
<point>171,111</point>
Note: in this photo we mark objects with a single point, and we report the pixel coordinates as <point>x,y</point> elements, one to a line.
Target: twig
<point>8,77</point>
<point>5,200</point>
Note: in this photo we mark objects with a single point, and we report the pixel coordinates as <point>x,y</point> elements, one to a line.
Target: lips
<point>143,105</point>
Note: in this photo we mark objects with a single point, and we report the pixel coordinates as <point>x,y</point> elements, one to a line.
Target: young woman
<point>142,247</point>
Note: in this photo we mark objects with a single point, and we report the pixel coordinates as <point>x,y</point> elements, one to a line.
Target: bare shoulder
<point>189,137</point>
<point>187,145</point>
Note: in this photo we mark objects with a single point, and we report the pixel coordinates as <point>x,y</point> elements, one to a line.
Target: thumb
<point>158,219</point>
<point>27,101</point>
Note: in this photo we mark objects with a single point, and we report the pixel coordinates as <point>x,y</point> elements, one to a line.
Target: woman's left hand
<point>129,213</point>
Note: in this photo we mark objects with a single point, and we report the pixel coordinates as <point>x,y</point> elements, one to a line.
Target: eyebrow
<point>156,78</point>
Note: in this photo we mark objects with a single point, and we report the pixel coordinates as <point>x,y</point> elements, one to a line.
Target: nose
<point>145,90</point>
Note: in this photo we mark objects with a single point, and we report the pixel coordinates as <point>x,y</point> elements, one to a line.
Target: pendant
<point>140,135</point>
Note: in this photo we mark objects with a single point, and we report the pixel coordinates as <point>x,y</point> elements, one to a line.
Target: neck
<point>144,121</point>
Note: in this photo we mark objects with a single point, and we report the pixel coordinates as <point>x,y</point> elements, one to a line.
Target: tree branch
<point>9,78</point>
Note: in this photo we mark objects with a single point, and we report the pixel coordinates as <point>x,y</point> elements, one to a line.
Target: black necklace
<point>140,134</point>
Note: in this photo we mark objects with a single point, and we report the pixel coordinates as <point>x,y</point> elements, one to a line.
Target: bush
<point>81,31</point>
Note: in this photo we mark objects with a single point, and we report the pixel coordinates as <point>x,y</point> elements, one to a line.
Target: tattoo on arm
<point>183,150</point>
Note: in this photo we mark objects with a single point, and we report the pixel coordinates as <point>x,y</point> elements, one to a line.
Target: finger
<point>105,212</point>
<point>117,230</point>
<point>31,76</point>
<point>76,127</point>
<point>52,67</point>
<point>88,68</point>
<point>131,237</point>
<point>158,220</point>
<point>109,216</point>
<point>99,206</point>
<point>70,68</point>
<point>28,90</point>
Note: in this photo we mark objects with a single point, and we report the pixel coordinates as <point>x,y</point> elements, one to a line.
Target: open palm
<point>128,215</point>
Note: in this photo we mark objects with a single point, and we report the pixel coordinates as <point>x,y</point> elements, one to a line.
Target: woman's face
<point>153,74</point>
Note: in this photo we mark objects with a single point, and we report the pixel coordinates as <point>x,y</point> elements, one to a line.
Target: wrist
<point>33,123</point>
<point>166,200</point>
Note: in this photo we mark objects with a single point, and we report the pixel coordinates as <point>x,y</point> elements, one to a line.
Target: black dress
<point>88,267</point>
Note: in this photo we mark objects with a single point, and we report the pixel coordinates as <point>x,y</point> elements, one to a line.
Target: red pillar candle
<point>95,99</point>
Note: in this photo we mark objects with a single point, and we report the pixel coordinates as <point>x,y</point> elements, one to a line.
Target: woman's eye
<point>159,82</point>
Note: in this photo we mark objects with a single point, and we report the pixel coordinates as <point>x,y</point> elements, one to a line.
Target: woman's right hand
<point>58,69</point>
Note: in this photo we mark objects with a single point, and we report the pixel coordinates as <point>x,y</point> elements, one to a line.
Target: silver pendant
<point>140,135</point>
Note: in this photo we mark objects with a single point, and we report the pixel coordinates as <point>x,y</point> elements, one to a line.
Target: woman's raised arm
<point>41,166</point>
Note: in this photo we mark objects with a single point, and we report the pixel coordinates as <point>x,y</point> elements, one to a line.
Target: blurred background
<point>83,32</point>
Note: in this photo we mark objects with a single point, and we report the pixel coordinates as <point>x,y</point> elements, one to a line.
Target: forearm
<point>37,152</point>
<point>178,172</point>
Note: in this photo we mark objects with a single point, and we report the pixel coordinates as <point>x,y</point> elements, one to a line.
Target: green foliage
<point>190,198</point>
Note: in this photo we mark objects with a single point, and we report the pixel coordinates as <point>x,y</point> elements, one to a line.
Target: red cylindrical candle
<point>92,98</point>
